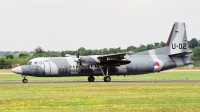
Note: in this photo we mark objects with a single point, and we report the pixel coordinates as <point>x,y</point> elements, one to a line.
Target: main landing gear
<point>106,78</point>
<point>91,79</point>
<point>24,80</point>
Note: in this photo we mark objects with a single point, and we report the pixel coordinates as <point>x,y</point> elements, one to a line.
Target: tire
<point>107,79</point>
<point>91,79</point>
<point>24,80</point>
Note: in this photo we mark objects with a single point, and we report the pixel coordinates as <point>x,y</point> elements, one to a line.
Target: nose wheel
<point>24,80</point>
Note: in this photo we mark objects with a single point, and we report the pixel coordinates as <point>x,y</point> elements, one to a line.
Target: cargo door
<point>47,67</point>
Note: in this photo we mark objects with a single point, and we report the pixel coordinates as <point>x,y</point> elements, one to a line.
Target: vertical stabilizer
<point>177,40</point>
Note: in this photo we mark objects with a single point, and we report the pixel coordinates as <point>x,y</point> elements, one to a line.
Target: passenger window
<point>29,63</point>
<point>36,62</point>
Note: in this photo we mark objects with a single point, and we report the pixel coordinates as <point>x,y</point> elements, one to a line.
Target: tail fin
<point>177,41</point>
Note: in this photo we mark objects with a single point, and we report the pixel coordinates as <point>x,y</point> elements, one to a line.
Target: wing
<point>103,60</point>
<point>112,56</point>
<point>113,59</point>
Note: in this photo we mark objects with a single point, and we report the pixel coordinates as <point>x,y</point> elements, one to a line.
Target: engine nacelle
<point>87,60</point>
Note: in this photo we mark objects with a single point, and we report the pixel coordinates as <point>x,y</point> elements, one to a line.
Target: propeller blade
<point>77,54</point>
<point>78,58</point>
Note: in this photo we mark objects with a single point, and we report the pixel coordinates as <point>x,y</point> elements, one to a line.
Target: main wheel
<point>91,79</point>
<point>107,79</point>
<point>24,80</point>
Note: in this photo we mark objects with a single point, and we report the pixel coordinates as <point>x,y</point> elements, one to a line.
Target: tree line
<point>11,59</point>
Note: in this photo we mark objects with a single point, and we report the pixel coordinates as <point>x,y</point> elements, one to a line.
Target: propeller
<point>77,59</point>
<point>77,54</point>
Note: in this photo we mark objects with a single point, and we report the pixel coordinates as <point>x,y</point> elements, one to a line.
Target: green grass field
<point>5,71</point>
<point>181,97</point>
<point>101,96</point>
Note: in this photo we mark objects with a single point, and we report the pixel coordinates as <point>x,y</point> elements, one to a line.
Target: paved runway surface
<point>100,81</point>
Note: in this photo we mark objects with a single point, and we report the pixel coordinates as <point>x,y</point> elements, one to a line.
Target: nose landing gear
<point>24,80</point>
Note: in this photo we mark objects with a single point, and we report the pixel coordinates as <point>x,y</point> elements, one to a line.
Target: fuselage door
<point>47,67</point>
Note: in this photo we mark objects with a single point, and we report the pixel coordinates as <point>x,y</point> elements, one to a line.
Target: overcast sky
<point>93,24</point>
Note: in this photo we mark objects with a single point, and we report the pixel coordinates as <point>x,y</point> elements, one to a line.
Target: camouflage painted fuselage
<point>142,62</point>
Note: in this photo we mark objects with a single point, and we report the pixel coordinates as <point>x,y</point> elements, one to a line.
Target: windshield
<point>29,63</point>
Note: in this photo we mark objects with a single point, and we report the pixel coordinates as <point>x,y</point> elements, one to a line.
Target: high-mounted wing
<point>103,60</point>
<point>112,56</point>
<point>113,59</point>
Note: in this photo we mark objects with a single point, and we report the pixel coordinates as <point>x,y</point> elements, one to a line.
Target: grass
<point>5,71</point>
<point>101,97</point>
<point>151,97</point>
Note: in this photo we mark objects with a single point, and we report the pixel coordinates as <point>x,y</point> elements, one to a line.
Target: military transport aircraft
<point>174,54</point>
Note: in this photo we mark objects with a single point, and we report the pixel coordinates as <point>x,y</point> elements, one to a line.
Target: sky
<point>58,25</point>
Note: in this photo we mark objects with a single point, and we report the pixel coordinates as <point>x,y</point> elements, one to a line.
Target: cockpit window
<point>36,63</point>
<point>29,63</point>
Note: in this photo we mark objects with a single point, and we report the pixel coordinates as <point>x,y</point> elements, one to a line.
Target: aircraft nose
<point>17,70</point>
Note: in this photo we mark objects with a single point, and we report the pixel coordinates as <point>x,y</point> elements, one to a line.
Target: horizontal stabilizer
<point>180,54</point>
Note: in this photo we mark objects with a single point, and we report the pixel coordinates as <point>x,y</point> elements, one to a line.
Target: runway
<point>100,81</point>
